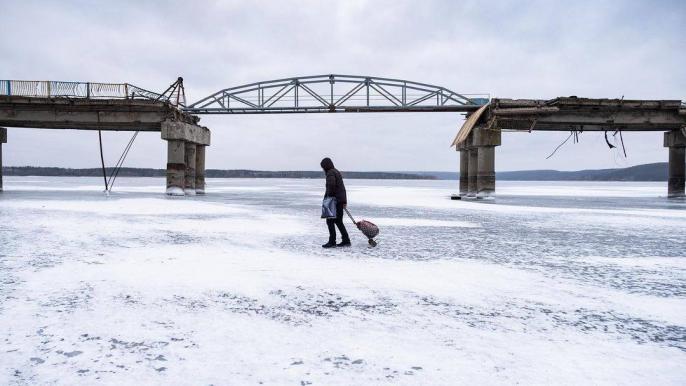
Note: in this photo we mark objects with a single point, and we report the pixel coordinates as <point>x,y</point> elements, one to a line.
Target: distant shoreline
<point>209,173</point>
<point>646,172</point>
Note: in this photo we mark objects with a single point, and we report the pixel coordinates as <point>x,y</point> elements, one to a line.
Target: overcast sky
<point>536,49</point>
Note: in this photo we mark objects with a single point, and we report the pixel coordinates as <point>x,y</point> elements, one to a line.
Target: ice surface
<point>553,283</point>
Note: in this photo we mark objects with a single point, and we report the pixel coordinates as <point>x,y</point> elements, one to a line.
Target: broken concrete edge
<point>175,130</point>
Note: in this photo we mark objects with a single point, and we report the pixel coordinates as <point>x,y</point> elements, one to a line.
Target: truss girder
<point>335,93</point>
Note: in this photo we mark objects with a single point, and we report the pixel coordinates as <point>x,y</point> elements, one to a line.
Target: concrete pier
<point>200,169</point>
<point>183,142</point>
<point>189,178</point>
<point>176,167</point>
<point>485,178</point>
<point>464,171</point>
<point>471,172</point>
<point>3,139</point>
<point>484,142</point>
<point>676,142</point>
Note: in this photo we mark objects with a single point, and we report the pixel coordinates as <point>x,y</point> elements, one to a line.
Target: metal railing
<point>81,90</point>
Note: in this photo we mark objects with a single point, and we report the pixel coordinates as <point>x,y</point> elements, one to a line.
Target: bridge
<point>125,107</point>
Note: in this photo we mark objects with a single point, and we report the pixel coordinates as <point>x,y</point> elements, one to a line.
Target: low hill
<point>647,172</point>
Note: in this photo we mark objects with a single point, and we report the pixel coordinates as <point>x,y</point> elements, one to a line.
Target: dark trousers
<point>338,221</point>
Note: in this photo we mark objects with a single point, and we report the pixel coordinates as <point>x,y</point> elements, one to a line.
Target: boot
<point>344,243</point>
<point>330,244</point>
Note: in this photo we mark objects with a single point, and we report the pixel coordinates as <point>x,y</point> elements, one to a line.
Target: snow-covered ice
<point>553,283</point>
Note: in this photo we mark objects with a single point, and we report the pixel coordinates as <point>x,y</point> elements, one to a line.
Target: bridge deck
<point>585,114</point>
<point>88,114</point>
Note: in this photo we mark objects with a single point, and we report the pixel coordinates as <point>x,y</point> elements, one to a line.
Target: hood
<point>326,164</point>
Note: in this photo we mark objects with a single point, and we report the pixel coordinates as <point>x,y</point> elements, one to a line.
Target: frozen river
<point>553,283</point>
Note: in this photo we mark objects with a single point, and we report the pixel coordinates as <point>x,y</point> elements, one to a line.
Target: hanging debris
<point>572,133</point>
<point>621,139</point>
<point>611,146</point>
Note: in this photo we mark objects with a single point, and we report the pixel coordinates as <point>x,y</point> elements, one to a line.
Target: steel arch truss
<point>335,93</point>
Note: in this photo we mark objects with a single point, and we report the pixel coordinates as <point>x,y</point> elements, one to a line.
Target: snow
<point>569,284</point>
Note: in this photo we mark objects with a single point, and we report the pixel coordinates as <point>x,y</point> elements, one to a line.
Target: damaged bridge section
<point>112,107</point>
<point>482,130</point>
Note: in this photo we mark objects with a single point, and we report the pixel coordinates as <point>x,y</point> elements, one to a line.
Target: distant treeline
<point>210,173</point>
<point>646,172</point>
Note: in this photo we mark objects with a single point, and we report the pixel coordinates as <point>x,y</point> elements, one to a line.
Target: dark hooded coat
<point>334,182</point>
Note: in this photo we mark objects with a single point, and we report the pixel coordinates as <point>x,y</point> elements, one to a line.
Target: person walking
<point>335,188</point>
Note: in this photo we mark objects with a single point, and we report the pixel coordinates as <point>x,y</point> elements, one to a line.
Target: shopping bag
<point>329,207</point>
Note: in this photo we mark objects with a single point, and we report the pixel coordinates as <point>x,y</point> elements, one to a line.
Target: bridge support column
<point>464,171</point>
<point>472,164</point>
<point>485,140</point>
<point>189,175</point>
<point>676,142</point>
<point>3,139</point>
<point>485,178</point>
<point>184,139</point>
<point>200,169</point>
<point>176,167</point>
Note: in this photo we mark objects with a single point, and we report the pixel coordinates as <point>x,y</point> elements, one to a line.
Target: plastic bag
<point>329,207</point>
